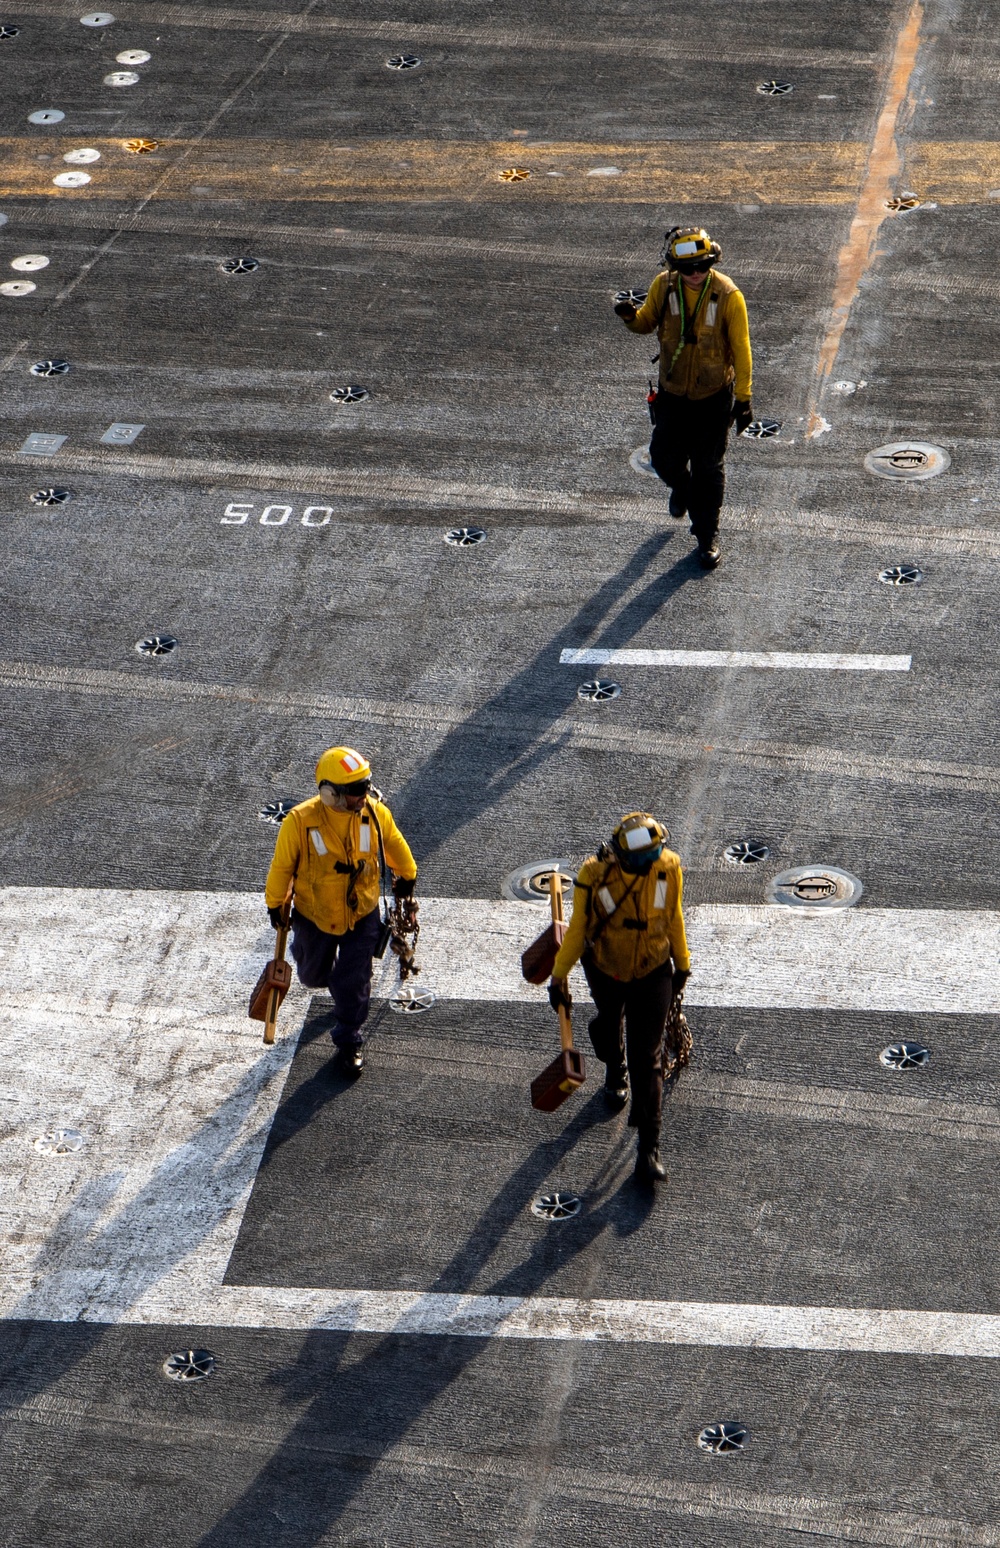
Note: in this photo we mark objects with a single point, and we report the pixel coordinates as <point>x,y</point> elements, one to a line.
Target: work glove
<point>274,914</point>
<point>678,981</point>
<point>559,994</point>
<point>742,414</point>
<point>403,888</point>
<point>625,309</point>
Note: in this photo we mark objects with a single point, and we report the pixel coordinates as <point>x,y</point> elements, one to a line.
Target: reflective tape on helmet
<point>606,901</point>
<point>352,761</point>
<point>685,249</point>
<point>660,900</point>
<point>317,841</point>
<point>639,838</point>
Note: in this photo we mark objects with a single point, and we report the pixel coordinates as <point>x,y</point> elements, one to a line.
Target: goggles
<point>358,787</point>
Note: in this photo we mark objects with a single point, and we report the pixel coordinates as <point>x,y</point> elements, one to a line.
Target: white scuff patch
<point>604,172</point>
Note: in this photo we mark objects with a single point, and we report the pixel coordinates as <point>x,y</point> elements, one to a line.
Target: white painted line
<point>779,659</point>
<point>123,1015</point>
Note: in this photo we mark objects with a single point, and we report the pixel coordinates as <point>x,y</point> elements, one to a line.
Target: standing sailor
<point>331,849</point>
<point>627,930</point>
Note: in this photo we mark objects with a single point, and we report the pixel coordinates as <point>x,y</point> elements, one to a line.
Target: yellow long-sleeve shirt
<point>645,922</point>
<point>320,847</point>
<point>655,316</point>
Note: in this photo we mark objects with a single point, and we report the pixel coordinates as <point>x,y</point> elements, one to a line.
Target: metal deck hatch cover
<point>514,174</point>
<point>639,462</point>
<point>410,1001</point>
<point>403,62</point>
<point>29,262</point>
<point>815,886</point>
<point>50,368</point>
<point>761,429</point>
<point>46,116</point>
<point>556,1206</point>
<point>71,180</point>
<point>7,31</point>
<point>121,434</point>
<point>352,394</point>
<point>51,496</point>
<point>59,1142</point>
<point>902,202</point>
<point>122,78</point>
<point>775,88</point>
<point>599,690</point>
<point>239,265</point>
<point>905,1056</point>
<point>141,147</point>
<point>40,444</point>
<point>189,1365</point>
<point>907,460</point>
<point>17,287</point>
<point>746,852</point>
<point>84,157</point>
<point>97,19</point>
<point>133,56</point>
<point>276,811</point>
<point>157,645</point>
<point>633,297</point>
<point>901,575</point>
<point>465,537</point>
<point>530,883</point>
<point>723,1437</point>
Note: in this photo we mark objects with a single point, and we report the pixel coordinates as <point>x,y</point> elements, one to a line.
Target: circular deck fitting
<point>902,202</point>
<point>59,1142</point>
<point>815,886</point>
<point>639,462</point>
<point>51,496</point>
<point>239,265</point>
<point>556,1206</point>
<point>352,394</point>
<point>410,1001</point>
<point>46,116</point>
<point>189,1365</point>
<point>141,147</point>
<point>847,389</point>
<point>402,62</point>
<point>907,460</point>
<point>513,174</point>
<point>71,179</point>
<point>17,287</point>
<point>761,429</point>
<point>275,812</point>
<point>50,368</point>
<point>82,157</point>
<point>121,78</point>
<point>133,56</point>
<point>905,1056</point>
<point>635,298</point>
<point>901,575</point>
<point>723,1437</point>
<point>530,883</point>
<point>157,645</point>
<point>746,852</point>
<point>465,537</point>
<point>8,31</point>
<point>29,263</point>
<point>599,690</point>
<point>97,19</point>
<point>775,88</point>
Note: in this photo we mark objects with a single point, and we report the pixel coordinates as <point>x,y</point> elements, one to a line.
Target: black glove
<point>742,414</point>
<point>403,888</point>
<point>559,994</point>
<point>625,309</point>
<point>274,914</point>
<point>678,981</point>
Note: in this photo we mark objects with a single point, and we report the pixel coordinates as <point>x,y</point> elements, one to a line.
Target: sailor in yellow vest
<point>705,363</point>
<point>331,848</point>
<point>627,929</point>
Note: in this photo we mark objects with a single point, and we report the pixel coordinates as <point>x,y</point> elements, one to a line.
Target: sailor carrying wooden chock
<point>330,859</point>
<point>627,931</point>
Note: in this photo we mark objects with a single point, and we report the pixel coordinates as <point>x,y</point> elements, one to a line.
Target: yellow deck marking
<point>880,183</point>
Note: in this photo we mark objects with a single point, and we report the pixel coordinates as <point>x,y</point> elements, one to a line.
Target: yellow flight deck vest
<point>630,924</point>
<point>334,858</point>
<point>705,367</point>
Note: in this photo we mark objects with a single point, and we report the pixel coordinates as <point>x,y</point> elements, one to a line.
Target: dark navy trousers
<point>342,964</point>
<point>687,449</point>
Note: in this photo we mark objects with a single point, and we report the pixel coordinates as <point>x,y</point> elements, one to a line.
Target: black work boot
<point>352,1060</point>
<point>648,1166</point>
<point>678,506</point>
<point>709,557</point>
<point>616,1087</point>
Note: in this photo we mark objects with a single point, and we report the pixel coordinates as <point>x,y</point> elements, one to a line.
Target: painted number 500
<point>276,515</point>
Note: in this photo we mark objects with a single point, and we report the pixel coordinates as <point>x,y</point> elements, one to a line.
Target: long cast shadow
<point>359,1410</point>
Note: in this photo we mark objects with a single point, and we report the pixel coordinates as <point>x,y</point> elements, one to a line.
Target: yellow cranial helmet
<point>638,841</point>
<point>689,247</point>
<point>343,767</point>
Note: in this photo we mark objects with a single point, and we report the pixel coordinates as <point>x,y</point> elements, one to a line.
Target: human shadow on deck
<point>485,757</point>
<point>359,1410</point>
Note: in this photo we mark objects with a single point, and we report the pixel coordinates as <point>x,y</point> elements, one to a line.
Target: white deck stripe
<point>801,660</point>
<point>122,1014</point>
